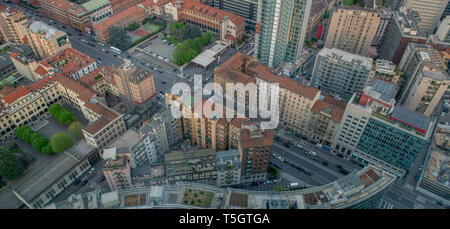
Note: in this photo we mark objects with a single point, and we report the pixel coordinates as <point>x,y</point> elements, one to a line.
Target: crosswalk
<point>409,187</point>
<point>385,205</point>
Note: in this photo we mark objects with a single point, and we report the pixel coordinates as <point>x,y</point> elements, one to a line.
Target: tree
<point>191,32</point>
<point>55,111</point>
<point>39,143</point>
<point>66,117</point>
<point>20,131</point>
<point>133,26</point>
<point>118,37</point>
<point>75,128</point>
<point>10,167</point>
<point>28,135</point>
<point>47,149</point>
<point>60,142</point>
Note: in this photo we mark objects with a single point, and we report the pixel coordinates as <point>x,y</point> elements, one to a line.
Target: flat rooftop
<point>410,117</point>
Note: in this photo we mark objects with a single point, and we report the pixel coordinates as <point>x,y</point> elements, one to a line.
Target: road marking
<point>385,205</point>
<point>408,187</point>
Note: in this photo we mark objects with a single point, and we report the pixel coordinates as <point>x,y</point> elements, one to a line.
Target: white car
<point>91,170</point>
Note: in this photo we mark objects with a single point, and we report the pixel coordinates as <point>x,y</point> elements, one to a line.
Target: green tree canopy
<point>119,38</point>
<point>47,149</point>
<point>66,118</point>
<point>75,128</point>
<point>55,110</point>
<point>60,142</point>
<point>10,167</point>
<point>39,142</point>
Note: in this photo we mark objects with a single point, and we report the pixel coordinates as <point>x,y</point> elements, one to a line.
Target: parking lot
<point>159,49</point>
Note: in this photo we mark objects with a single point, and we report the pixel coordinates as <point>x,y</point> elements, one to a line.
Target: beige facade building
<point>427,78</point>
<point>117,169</point>
<point>324,119</point>
<point>430,12</point>
<point>352,29</point>
<point>10,21</point>
<point>295,100</point>
<point>136,85</point>
<point>45,40</point>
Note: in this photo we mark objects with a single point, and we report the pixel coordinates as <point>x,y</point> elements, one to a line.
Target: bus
<point>116,50</point>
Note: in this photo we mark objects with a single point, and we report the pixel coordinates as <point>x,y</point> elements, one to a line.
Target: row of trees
<point>61,114</point>
<point>38,141</point>
<point>189,48</point>
<point>181,32</point>
<point>10,167</point>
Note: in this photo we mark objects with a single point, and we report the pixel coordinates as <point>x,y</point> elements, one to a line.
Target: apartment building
<point>352,29</point>
<point>163,129</point>
<point>442,35</point>
<point>385,17</point>
<point>121,5</point>
<point>10,21</point>
<point>70,62</point>
<point>141,148</point>
<point>255,147</point>
<point>45,40</point>
<point>324,119</point>
<point>340,73</point>
<point>100,80</point>
<point>317,14</point>
<point>228,166</point>
<point>390,139</point>
<point>117,170</point>
<point>98,10</point>
<point>179,166</point>
<point>228,26</point>
<point>281,31</point>
<point>121,19</point>
<point>6,63</point>
<point>28,67</point>
<point>68,13</point>
<point>244,8</point>
<point>430,12</point>
<point>294,99</point>
<point>136,85</point>
<point>27,104</point>
<point>427,78</point>
<point>402,30</point>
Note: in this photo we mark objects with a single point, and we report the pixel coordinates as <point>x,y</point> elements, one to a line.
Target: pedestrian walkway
<point>385,205</point>
<point>409,187</point>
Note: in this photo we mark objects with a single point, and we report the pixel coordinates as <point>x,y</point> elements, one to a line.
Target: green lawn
<point>151,27</point>
<point>7,80</point>
<point>133,37</point>
<point>349,2</point>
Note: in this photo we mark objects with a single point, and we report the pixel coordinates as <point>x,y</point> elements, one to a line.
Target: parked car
<point>417,177</point>
<point>76,181</point>
<point>163,82</point>
<point>421,168</point>
<point>91,170</point>
<point>84,182</point>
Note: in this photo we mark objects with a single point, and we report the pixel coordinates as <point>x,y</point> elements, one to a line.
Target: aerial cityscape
<point>224,104</point>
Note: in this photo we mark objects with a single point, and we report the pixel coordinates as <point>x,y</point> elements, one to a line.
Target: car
<point>106,51</point>
<point>69,34</point>
<point>325,163</point>
<point>91,170</point>
<point>142,63</point>
<point>83,40</point>
<point>315,158</point>
<point>76,181</point>
<point>174,70</point>
<point>84,182</point>
<point>80,34</point>
<point>421,168</point>
<point>343,171</point>
<point>277,138</point>
<point>99,58</point>
<point>146,64</point>
<point>286,144</point>
<point>163,82</point>
<point>63,27</point>
<point>417,177</point>
<point>160,71</point>
<point>115,55</point>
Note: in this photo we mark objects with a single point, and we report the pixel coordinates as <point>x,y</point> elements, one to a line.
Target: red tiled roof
<point>116,18</point>
<point>265,140</point>
<point>230,37</point>
<point>335,112</point>
<point>15,95</point>
<point>41,70</point>
<point>234,69</point>
<point>212,12</point>
<point>69,61</point>
<point>6,90</point>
